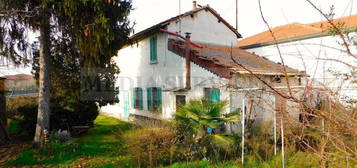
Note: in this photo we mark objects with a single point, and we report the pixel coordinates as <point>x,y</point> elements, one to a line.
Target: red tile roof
<point>296,30</point>
<point>218,60</point>
<point>18,77</point>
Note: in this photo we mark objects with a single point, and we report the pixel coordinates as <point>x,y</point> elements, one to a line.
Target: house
<point>314,49</point>
<point>20,85</point>
<point>190,56</point>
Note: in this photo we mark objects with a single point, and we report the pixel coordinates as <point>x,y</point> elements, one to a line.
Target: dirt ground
<point>10,151</point>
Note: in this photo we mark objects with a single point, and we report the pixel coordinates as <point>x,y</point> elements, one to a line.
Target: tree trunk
<point>43,116</point>
<point>4,137</point>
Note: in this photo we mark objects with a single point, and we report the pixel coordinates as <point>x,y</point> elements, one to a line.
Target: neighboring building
<point>312,48</point>
<point>156,77</point>
<point>20,85</point>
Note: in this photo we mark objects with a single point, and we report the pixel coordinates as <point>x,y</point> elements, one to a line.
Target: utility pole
<point>236,14</point>
<point>243,128</point>
<point>179,32</point>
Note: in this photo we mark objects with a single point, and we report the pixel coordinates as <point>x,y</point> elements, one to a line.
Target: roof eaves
<point>215,13</point>
<point>272,73</point>
<point>296,38</point>
<point>286,40</point>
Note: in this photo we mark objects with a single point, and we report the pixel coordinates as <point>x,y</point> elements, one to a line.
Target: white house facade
<point>310,48</point>
<point>155,76</point>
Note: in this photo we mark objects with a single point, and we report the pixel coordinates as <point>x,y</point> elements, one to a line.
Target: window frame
<point>208,92</point>
<point>181,100</point>
<point>138,98</point>
<point>153,50</point>
<point>154,98</point>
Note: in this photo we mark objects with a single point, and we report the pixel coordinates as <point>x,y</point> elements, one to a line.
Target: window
<point>154,98</point>
<point>138,98</point>
<point>180,101</point>
<point>153,49</point>
<point>212,94</point>
<point>276,79</point>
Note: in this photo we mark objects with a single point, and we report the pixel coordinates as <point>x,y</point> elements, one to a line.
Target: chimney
<point>188,61</point>
<point>194,4</point>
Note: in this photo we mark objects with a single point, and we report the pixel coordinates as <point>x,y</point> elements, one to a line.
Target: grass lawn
<point>101,147</point>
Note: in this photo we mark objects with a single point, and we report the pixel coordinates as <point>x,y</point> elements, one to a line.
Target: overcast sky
<point>277,12</point>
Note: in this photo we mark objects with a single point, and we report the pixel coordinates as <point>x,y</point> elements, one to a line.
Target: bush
<point>151,146</point>
<point>13,104</point>
<point>260,141</point>
<point>193,122</point>
<point>23,114</point>
<point>60,135</point>
<point>27,121</point>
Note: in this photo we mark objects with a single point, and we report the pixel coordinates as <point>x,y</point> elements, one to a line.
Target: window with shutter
<point>140,94</point>
<point>154,97</point>
<point>138,98</point>
<point>207,93</point>
<point>149,99</point>
<point>153,49</point>
<point>159,97</point>
<point>214,95</point>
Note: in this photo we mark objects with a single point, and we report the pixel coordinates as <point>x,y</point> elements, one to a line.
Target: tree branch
<point>277,47</point>
<point>338,30</point>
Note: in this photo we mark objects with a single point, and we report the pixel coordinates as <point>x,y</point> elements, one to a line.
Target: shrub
<point>14,127</point>
<point>260,141</point>
<point>193,122</point>
<point>27,122</point>
<point>23,114</point>
<point>13,104</point>
<point>151,146</point>
<point>60,135</point>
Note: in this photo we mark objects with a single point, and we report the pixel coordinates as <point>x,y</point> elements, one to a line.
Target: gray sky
<point>276,12</point>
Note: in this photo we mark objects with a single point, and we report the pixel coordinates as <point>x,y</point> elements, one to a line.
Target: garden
<point>194,138</point>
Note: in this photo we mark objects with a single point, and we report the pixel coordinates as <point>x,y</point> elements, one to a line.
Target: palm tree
<point>197,123</point>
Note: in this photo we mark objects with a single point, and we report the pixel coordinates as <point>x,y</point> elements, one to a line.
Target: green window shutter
<point>211,95</point>
<point>153,49</point>
<point>218,95</point>
<point>149,102</point>
<point>126,104</point>
<point>140,90</point>
<point>159,97</point>
<point>215,95</point>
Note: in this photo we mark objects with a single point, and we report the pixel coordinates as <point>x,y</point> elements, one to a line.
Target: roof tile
<point>219,60</point>
<point>296,30</point>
